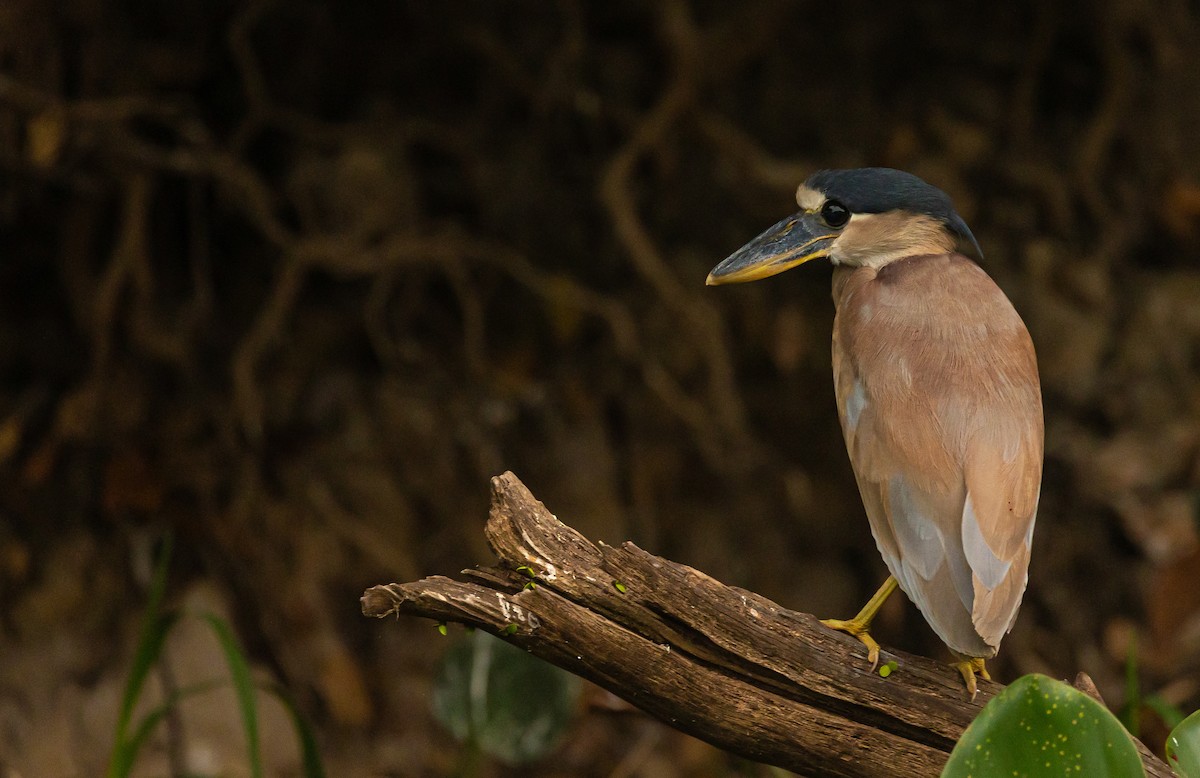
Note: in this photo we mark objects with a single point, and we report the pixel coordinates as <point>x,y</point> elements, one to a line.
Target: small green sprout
<point>620,587</point>
<point>527,570</point>
<point>887,669</point>
<point>511,629</point>
<point>531,585</point>
<point>441,628</point>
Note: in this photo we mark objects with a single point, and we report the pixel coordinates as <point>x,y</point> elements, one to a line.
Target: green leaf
<point>1131,711</point>
<point>155,716</point>
<point>155,627</point>
<point>243,687</point>
<point>310,754</point>
<point>1039,726</point>
<point>495,696</point>
<point>1183,747</point>
<point>1170,714</point>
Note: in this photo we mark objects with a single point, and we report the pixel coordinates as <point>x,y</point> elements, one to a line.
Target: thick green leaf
<point>1039,726</point>
<point>495,696</point>
<point>1183,747</point>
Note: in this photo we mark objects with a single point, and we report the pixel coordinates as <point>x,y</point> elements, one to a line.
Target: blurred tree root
<point>295,279</point>
<point>720,663</point>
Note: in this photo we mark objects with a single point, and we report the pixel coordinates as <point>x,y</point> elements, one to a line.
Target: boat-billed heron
<point>938,393</point>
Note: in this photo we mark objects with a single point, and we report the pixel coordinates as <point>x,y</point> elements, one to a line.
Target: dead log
<point>721,663</point>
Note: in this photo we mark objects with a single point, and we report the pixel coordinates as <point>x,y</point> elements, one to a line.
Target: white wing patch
<point>855,403</point>
<point>921,545</point>
<point>984,562</point>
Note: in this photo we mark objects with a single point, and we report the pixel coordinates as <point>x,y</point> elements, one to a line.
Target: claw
<point>967,668</point>
<point>858,626</point>
<point>857,629</point>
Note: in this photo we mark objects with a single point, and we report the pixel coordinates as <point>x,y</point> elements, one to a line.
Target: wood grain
<point>718,662</point>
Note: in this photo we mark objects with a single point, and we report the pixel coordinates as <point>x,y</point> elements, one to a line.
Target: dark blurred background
<point>294,279</point>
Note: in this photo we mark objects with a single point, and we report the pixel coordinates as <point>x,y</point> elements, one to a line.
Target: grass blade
<point>1171,715</point>
<point>243,686</point>
<point>155,627</point>
<point>310,754</point>
<point>1131,711</point>
<point>151,720</point>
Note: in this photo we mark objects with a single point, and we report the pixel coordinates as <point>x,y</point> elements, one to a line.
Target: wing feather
<point>940,404</point>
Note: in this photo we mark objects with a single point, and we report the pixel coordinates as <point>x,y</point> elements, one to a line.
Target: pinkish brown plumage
<point>938,394</point>
<point>937,389</point>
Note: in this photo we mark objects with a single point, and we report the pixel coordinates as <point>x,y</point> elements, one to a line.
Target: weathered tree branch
<point>720,663</point>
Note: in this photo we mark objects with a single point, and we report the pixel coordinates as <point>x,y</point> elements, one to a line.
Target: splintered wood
<point>720,663</point>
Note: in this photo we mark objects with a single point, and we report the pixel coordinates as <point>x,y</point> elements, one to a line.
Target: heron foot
<point>858,626</point>
<point>967,668</point>
<point>858,629</point>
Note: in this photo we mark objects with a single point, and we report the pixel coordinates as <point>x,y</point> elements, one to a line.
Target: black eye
<point>835,214</point>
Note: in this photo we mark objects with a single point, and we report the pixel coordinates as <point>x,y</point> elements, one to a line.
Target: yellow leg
<point>967,667</point>
<point>860,624</point>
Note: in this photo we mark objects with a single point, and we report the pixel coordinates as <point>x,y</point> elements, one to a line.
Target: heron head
<point>858,217</point>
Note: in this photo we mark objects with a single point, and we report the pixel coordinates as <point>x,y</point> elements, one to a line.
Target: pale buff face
<point>876,239</point>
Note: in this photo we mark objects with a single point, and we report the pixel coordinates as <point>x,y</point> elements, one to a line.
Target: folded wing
<point>941,412</point>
